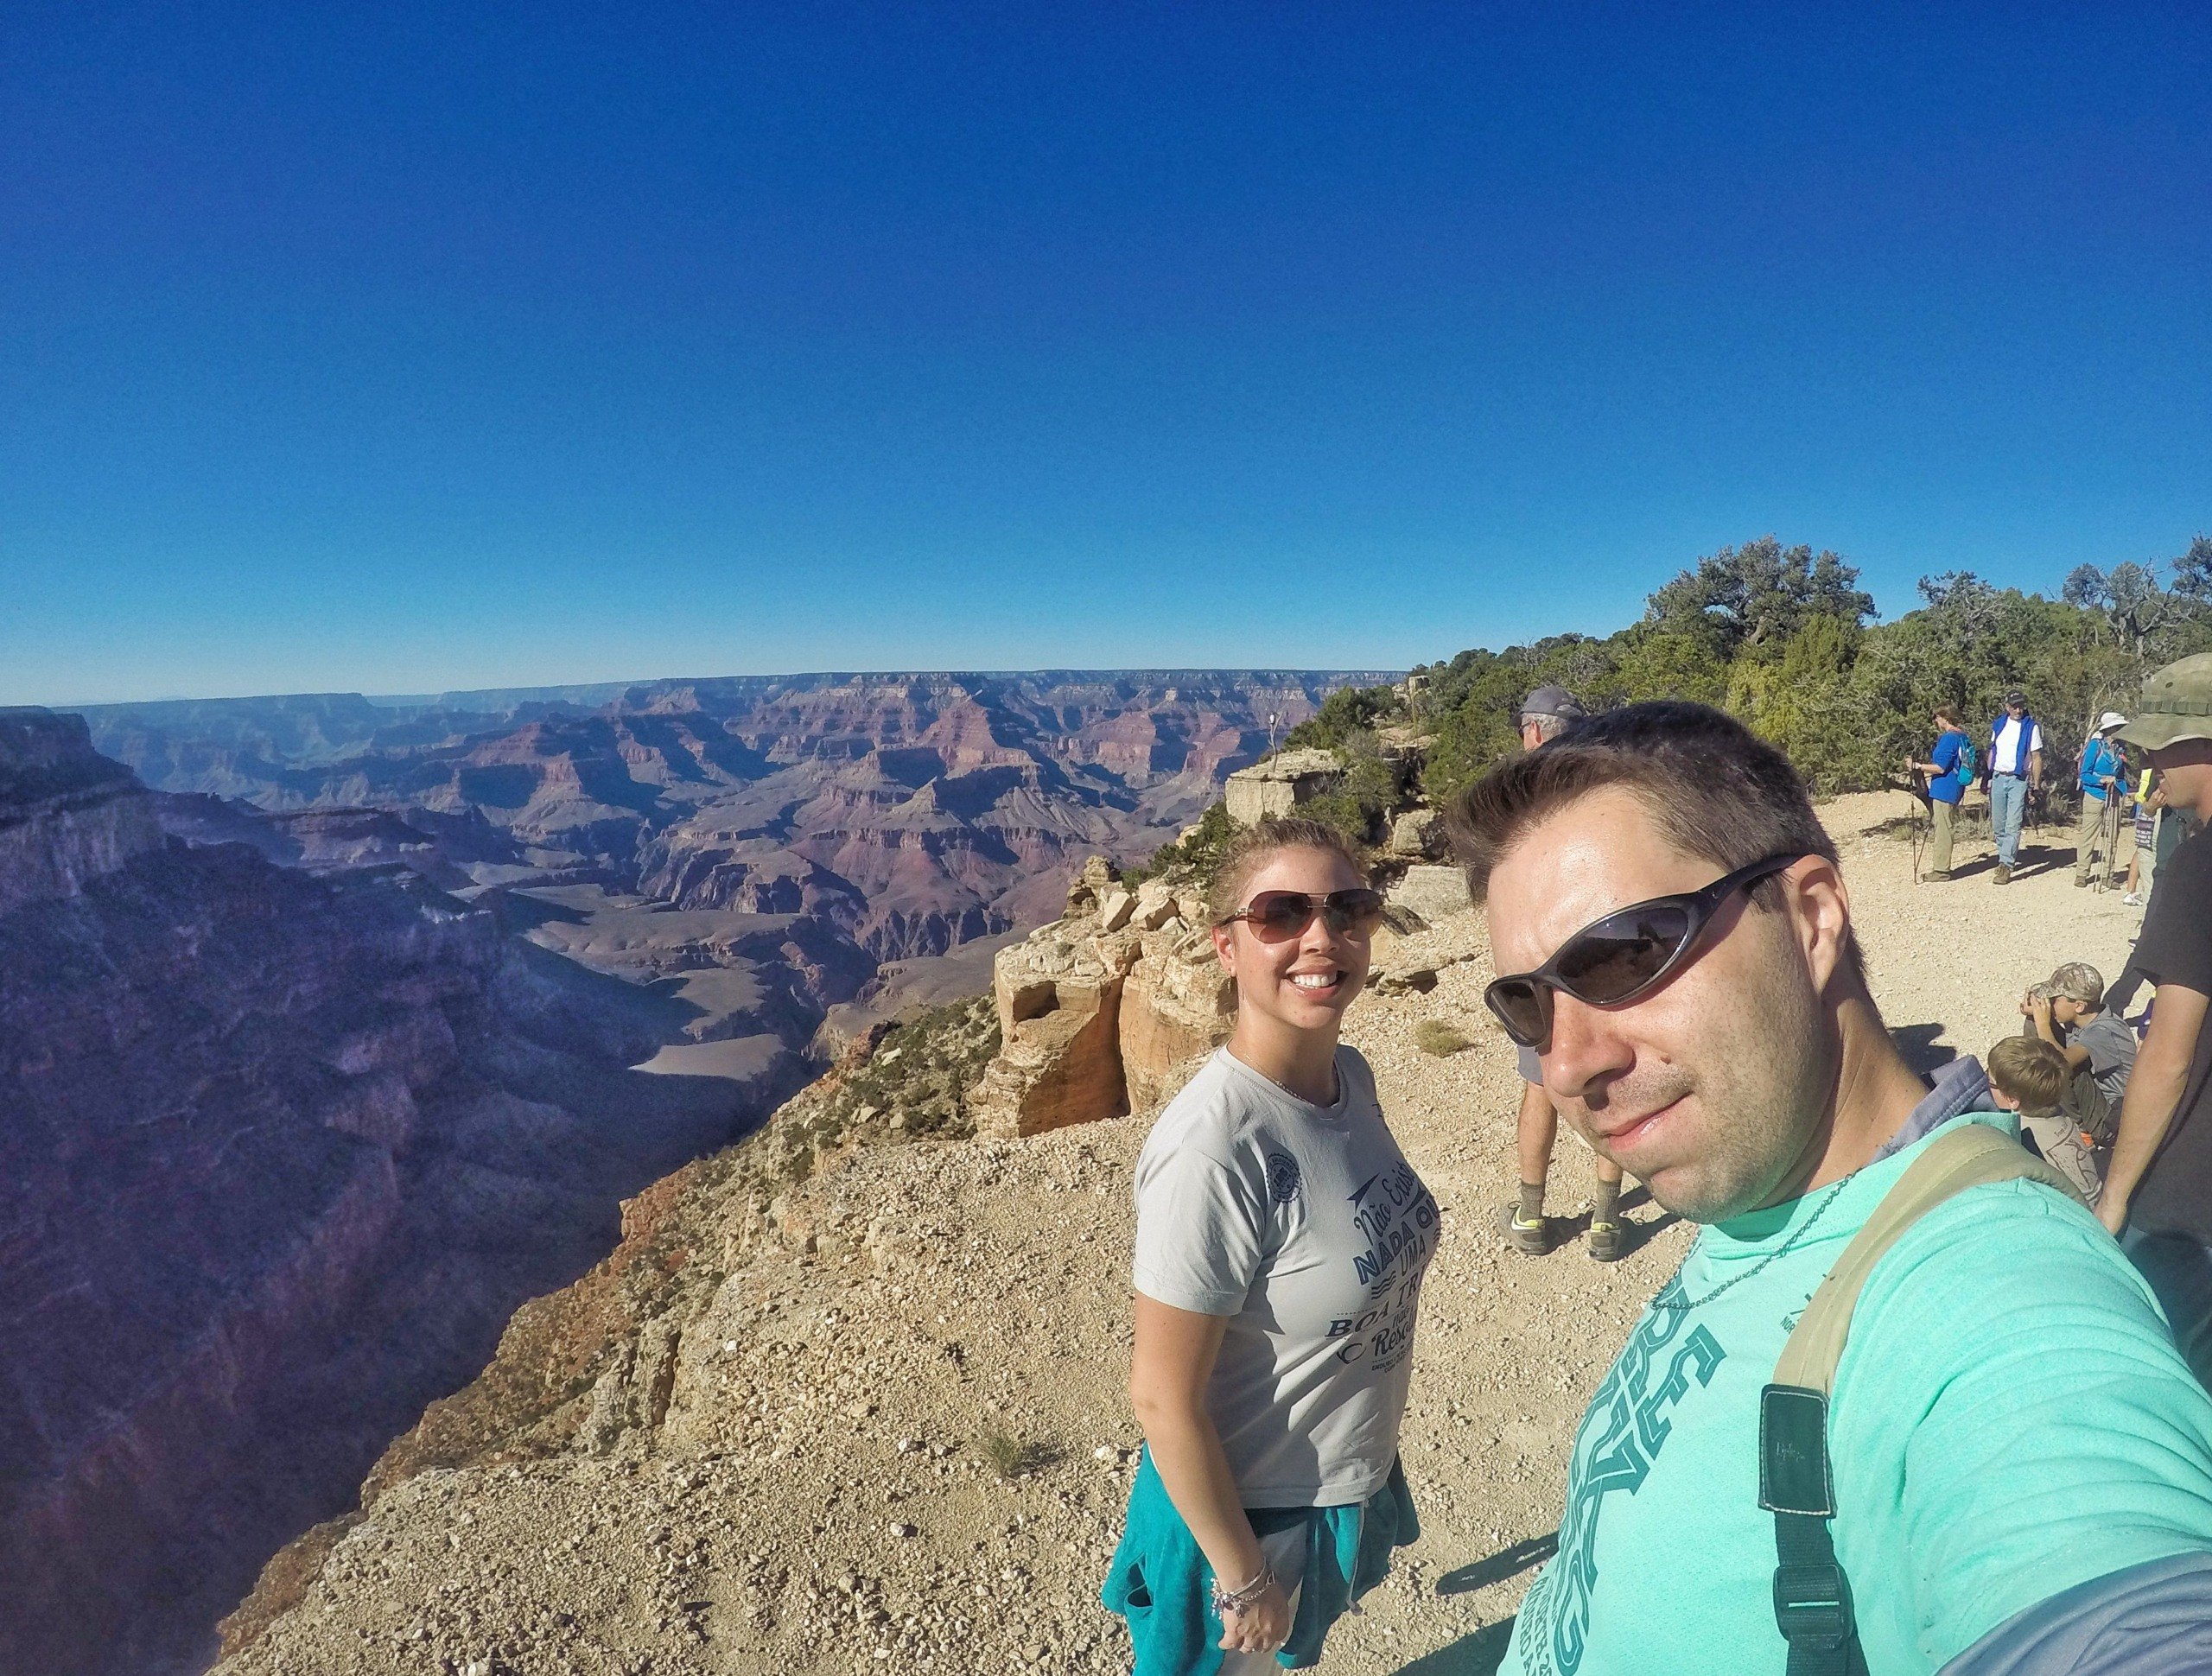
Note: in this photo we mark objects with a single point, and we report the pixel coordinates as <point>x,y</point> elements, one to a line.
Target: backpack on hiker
<point>1812,1597</point>
<point>1964,769</point>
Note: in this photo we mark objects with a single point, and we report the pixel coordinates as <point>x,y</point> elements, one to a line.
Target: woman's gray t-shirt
<point>1305,1226</point>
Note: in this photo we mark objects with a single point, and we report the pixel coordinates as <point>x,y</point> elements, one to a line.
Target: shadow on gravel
<point>1478,1654</point>
<point>1505,1563</point>
<point>1917,1046</point>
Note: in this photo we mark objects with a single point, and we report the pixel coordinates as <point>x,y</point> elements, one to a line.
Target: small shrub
<point>1009,1456</point>
<point>1436,1037</point>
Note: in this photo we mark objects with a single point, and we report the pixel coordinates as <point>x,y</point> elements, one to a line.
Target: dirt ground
<point>816,1493</point>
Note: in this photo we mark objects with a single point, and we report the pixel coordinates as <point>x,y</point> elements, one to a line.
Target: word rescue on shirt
<point>1397,1216</point>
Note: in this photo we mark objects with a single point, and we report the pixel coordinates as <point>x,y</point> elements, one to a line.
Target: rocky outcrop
<point>1105,1010</point>
<point>67,814</point>
<point>1276,787</point>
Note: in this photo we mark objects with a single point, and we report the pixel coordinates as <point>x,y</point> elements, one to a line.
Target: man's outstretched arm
<point>2154,1619</point>
<point>2154,1089</point>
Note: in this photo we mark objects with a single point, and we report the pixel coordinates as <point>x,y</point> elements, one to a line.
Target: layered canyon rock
<point>842,825</point>
<point>1103,1010</point>
<point>284,1150</point>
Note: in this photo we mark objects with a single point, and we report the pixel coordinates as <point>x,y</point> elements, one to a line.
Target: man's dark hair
<point>1716,788</point>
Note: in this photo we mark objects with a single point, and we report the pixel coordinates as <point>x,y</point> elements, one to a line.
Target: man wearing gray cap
<point>2159,1187</point>
<point>2101,788</point>
<point>1546,713</point>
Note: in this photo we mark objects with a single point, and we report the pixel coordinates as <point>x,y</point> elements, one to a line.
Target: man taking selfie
<point>1932,1465</point>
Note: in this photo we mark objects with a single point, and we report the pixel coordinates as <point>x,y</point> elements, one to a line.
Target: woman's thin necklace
<point>1664,1302</point>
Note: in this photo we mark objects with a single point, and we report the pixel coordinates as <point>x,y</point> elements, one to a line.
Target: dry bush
<point>1436,1037</point>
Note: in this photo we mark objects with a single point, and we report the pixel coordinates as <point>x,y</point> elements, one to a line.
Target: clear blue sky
<point>446,346</point>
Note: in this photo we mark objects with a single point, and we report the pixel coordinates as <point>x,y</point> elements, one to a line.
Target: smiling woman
<point>1281,1239</point>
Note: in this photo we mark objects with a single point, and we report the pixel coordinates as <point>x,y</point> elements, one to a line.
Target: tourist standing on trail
<point>1996,1461</point>
<point>2015,775</point>
<point>1281,1239</point>
<point>2149,800</point>
<point>1545,714</point>
<point>2103,776</point>
<point>1949,772</point>
<point>2158,1183</point>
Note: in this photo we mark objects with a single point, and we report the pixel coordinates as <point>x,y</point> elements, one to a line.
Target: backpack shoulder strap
<point>1972,1155</point>
<point>1812,1597</point>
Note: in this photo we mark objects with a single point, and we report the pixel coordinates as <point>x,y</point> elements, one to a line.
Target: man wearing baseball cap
<point>2015,777</point>
<point>2159,1187</point>
<point>2102,779</point>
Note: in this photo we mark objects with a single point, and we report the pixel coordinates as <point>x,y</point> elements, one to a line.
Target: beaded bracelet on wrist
<point>1237,1600</point>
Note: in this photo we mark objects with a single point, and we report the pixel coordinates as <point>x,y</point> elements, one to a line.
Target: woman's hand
<point>1263,1626</point>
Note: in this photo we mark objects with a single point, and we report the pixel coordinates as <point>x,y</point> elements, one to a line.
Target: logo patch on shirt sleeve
<point>1282,1178</point>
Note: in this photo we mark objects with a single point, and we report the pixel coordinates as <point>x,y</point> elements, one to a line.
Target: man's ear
<point>1820,909</point>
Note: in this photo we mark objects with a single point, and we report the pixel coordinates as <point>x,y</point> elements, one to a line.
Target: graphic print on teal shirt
<point>1994,1442</point>
<point>1626,1427</point>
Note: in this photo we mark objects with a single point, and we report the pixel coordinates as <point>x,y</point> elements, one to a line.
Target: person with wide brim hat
<point>2158,1186</point>
<point>2101,775</point>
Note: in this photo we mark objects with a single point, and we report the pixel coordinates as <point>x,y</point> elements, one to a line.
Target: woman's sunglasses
<point>1277,915</point>
<point>1616,959</point>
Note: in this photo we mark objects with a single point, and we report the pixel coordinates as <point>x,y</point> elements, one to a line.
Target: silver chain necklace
<point>1662,1302</point>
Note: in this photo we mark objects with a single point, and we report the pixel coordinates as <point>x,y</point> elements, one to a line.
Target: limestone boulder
<point>1098,876</point>
<point>1279,786</point>
<point>1060,1059</point>
<point>1177,1006</point>
<point>1436,894</point>
<point>1115,909</point>
<point>1414,834</point>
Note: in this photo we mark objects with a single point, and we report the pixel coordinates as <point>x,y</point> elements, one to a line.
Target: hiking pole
<point>2110,825</point>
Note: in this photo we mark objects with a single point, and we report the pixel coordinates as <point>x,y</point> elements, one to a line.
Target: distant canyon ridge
<point>765,851</point>
<point>325,1022</point>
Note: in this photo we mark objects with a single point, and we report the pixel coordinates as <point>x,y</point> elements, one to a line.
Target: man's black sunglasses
<point>1275,915</point>
<point>1616,959</point>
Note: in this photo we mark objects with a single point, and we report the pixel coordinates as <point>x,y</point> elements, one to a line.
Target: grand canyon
<point>333,1029</point>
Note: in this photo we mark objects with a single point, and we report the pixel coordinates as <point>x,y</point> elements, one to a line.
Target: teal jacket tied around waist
<point>1160,1582</point>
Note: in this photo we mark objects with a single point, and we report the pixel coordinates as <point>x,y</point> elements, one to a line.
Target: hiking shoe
<point>1604,1242</point>
<point>1529,1239</point>
<point>2133,898</point>
<point>2003,875</point>
<point>2080,881</point>
<point>1932,877</point>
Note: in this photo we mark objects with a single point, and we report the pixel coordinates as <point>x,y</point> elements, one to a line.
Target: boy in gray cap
<point>2069,1014</point>
<point>2159,1186</point>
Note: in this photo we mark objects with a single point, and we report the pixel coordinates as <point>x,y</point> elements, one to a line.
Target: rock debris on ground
<point>881,1426</point>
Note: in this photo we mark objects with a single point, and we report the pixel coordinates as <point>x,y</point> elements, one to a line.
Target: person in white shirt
<point>2015,775</point>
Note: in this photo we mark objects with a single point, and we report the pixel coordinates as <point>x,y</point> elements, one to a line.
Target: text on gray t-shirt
<point>1303,1225</point>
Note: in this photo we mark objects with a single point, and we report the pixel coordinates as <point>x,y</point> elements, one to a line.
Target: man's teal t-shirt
<point>2010,1419</point>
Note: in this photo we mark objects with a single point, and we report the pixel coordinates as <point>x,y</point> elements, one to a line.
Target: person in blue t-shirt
<point>1949,770</point>
<point>2103,778</point>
